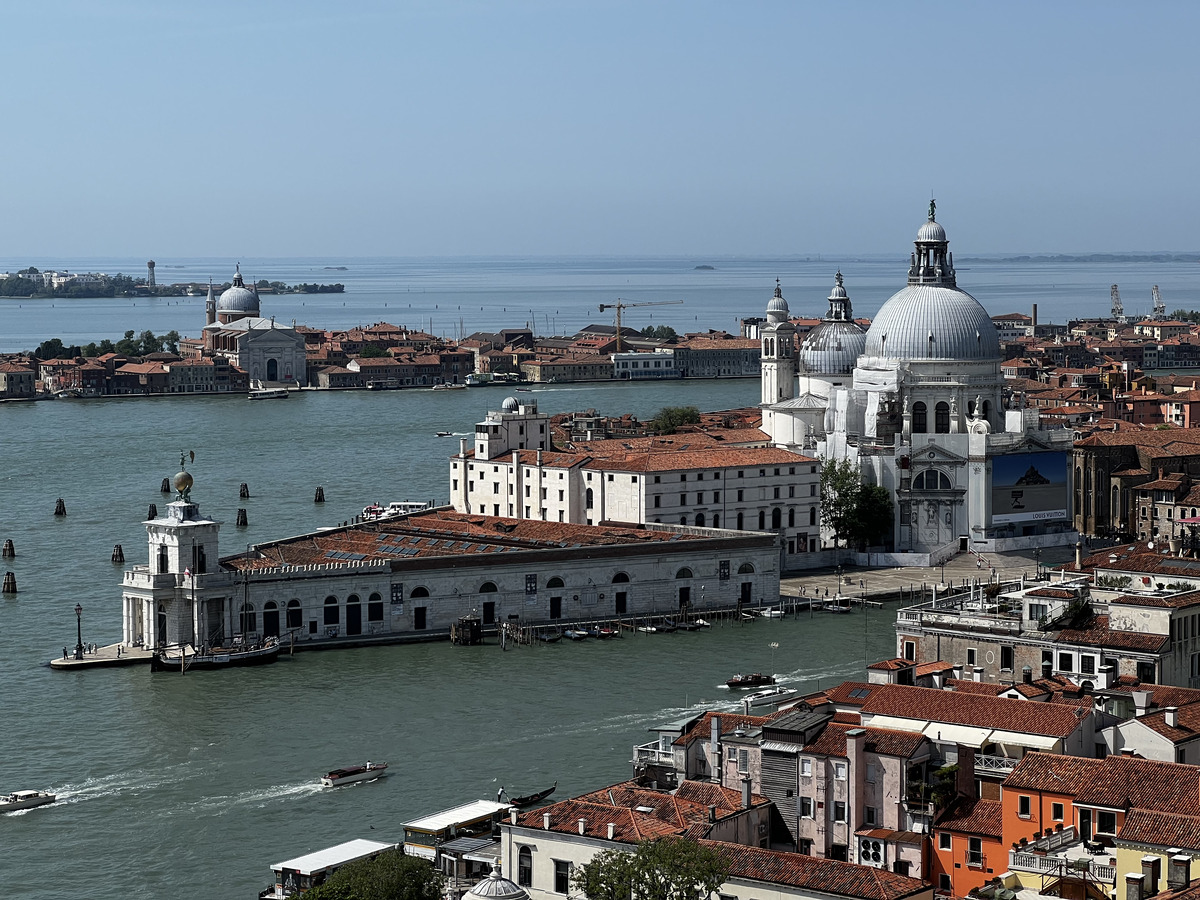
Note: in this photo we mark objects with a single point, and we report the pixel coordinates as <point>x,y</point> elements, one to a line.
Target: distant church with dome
<point>917,402</point>
<point>267,351</point>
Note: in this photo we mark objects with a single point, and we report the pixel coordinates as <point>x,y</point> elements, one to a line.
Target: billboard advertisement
<point>1029,487</point>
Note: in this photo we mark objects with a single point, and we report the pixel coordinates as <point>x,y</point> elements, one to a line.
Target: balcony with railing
<point>652,754</point>
<point>997,765</point>
<point>1072,858</point>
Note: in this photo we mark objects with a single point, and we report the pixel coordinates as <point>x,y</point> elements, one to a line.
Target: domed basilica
<point>269,352</point>
<point>917,401</point>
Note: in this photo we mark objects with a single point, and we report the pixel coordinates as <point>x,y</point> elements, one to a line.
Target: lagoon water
<point>193,785</point>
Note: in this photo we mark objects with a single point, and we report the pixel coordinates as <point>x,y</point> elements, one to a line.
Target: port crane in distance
<point>621,305</point>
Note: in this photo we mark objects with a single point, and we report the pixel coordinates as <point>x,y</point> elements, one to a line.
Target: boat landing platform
<point>104,658</point>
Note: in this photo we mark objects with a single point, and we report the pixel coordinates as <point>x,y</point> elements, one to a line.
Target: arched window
<point>762,520</point>
<point>332,613</point>
<point>741,522</point>
<point>919,424</point>
<point>776,518</point>
<point>295,615</point>
<point>683,520</point>
<point>791,517</point>
<point>812,515</point>
<point>620,578</point>
<point>931,480</point>
<point>271,619</point>
<point>746,569</point>
<point>941,418</point>
<point>247,618</point>
<point>375,608</point>
<point>699,520</point>
<point>525,867</point>
<point>589,498</point>
<point>419,592</point>
<point>717,520</point>
<point>488,587</point>
<point>554,582</point>
<point>685,572</point>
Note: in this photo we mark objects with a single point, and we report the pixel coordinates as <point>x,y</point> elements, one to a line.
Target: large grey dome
<point>932,318</point>
<point>238,298</point>
<point>929,321</point>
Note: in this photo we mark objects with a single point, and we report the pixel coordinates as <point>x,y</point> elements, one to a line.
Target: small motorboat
<point>835,606</point>
<point>770,697</point>
<point>575,634</point>
<point>443,434</point>
<point>753,680</point>
<point>366,772</point>
<point>447,386</point>
<point>528,799</point>
<point>25,800</point>
<point>647,629</point>
<point>771,612</point>
<point>522,390</point>
<point>702,623</point>
<point>550,637</point>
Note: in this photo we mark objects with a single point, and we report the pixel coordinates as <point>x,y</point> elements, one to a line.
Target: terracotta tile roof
<point>1099,634</point>
<point>978,816</point>
<point>881,741</point>
<point>967,686</point>
<point>1160,694</point>
<point>1163,829</point>
<point>828,876</point>
<point>891,665</point>
<point>1187,726</point>
<point>931,705</point>
<point>443,533</point>
<point>631,826</point>
<point>1115,782</point>
<point>707,458</point>
<point>853,693</point>
<point>931,668</point>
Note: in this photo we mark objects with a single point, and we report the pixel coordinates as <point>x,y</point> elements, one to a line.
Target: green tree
<point>660,332</point>
<point>51,349</point>
<point>669,418</point>
<point>392,875</point>
<point>661,869</point>
<point>874,515</point>
<point>171,341</point>
<point>372,351</point>
<point>840,483</point>
<point>128,345</point>
<point>107,346</point>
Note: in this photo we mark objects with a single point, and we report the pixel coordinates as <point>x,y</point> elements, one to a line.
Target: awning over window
<point>967,735</point>
<point>1020,739</point>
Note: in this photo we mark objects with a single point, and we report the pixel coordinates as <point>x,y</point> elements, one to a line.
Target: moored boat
<point>550,637</point>
<point>770,697</point>
<point>753,680</point>
<point>528,799</point>
<point>835,606</point>
<point>575,634</point>
<point>25,800</point>
<point>261,392</point>
<point>602,632</point>
<point>184,657</point>
<point>348,775</point>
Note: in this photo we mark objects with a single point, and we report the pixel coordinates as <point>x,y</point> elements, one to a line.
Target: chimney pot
<point>1150,870</point>
<point>1027,674</point>
<point>1171,716</point>
<point>611,830</point>
<point>1179,871</point>
<point>582,826</point>
<point>978,673</point>
<point>1047,668</point>
<point>546,821</point>
<point>1134,886</point>
<point>512,816</point>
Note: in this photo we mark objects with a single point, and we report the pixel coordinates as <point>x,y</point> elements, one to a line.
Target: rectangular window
<point>1065,662</point>
<point>812,490</point>
<point>531,583</point>
<point>741,496</point>
<point>562,876</point>
<point>970,656</point>
<point>974,851</point>
<point>870,773</point>
<point>806,807</point>
<point>943,882</point>
<point>743,761</point>
<point>839,810</point>
<point>1006,658</point>
<point>1106,822</point>
<point>839,771</point>
<point>683,499</point>
<point>869,815</point>
<point>1056,812</point>
<point>1023,806</point>
<point>791,490</point>
<point>1087,665</point>
<point>657,501</point>
<point>910,650</point>
<point>806,768</point>
<point>944,840</point>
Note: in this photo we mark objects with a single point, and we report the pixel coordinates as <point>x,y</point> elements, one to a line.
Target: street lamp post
<point>1037,562</point>
<point>78,631</point>
<point>839,582</point>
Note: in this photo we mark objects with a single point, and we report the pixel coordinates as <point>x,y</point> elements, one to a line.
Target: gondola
<point>528,799</point>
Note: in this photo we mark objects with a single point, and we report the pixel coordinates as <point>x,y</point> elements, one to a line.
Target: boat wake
<point>256,798</point>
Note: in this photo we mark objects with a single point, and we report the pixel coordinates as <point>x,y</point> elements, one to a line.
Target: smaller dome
<point>931,233</point>
<point>777,308</point>
<point>839,289</point>
<point>510,404</point>
<point>497,887</point>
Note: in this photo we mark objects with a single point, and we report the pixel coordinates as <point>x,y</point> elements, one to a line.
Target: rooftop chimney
<point>1078,554</point>
<point>1150,866</point>
<point>546,821</point>
<point>1141,701</point>
<point>1134,889</point>
<point>958,672</point>
<point>1171,716</point>
<point>1035,317</point>
<point>1047,668</point>
<point>512,816</point>
<point>977,673</point>
<point>1027,674</point>
<point>612,828</point>
<point>1179,871</point>
<point>712,814</point>
<point>746,792</point>
<point>582,826</point>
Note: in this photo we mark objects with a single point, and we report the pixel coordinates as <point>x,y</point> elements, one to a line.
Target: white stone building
<point>265,350</point>
<point>513,471</point>
<point>413,577</point>
<point>924,416</point>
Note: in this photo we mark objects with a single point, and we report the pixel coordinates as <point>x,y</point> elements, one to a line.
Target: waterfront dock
<point>104,658</point>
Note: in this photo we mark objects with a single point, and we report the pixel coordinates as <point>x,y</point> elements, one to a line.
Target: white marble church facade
<point>921,409</point>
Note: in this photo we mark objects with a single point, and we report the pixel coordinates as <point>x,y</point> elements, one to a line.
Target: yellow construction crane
<point>620,305</point>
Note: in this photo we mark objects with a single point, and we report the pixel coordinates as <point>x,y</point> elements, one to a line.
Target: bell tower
<point>778,362</point>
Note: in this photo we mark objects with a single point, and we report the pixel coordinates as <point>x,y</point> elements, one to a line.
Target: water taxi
<point>25,800</point>
<point>350,774</point>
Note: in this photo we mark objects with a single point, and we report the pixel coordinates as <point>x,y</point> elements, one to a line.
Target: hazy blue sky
<point>538,128</point>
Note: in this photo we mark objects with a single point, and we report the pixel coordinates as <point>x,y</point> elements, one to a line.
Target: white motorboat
<point>350,774</point>
<point>25,800</point>
<point>771,612</point>
<point>259,391</point>
<point>770,697</point>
